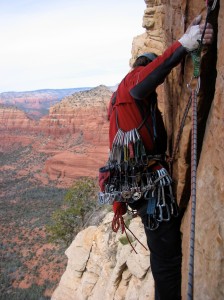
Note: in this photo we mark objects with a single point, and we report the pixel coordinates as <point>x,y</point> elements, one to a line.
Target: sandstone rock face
<point>209,264</point>
<point>164,23</point>
<point>101,267</point>
<point>12,118</point>
<point>209,237</point>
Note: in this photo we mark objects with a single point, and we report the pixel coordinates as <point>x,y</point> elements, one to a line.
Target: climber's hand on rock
<point>196,21</point>
<point>192,37</point>
<point>208,36</point>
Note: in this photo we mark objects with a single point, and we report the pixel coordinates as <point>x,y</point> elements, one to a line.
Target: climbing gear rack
<point>134,176</point>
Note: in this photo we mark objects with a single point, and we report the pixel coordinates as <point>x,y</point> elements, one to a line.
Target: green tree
<point>79,204</point>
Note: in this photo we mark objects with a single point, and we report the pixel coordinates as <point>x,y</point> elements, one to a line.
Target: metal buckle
<point>126,194</point>
<point>136,196</point>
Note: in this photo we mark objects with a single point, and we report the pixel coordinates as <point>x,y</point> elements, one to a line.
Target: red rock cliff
<point>84,116</point>
<point>75,133</point>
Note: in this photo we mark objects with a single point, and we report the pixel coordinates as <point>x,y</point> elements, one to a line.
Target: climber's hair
<point>141,61</point>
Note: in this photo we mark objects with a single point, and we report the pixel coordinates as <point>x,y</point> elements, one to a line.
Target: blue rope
<point>193,194</point>
<point>196,57</point>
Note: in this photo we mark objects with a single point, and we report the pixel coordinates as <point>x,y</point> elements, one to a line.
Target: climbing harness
<point>196,57</point>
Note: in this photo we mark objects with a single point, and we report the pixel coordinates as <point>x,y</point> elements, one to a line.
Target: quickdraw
<point>196,55</point>
<point>129,182</point>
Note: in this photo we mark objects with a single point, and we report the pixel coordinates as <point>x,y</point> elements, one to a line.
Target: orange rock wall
<point>164,23</point>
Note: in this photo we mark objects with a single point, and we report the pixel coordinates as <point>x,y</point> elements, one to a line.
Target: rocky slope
<point>165,22</point>
<point>107,266</point>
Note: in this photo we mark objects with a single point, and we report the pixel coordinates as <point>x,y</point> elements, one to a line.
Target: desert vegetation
<point>30,265</point>
<point>79,206</point>
<point>37,222</point>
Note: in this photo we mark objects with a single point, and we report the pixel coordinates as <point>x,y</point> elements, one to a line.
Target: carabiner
<point>198,84</point>
<point>152,223</point>
<point>166,213</point>
<point>159,213</point>
<point>174,209</point>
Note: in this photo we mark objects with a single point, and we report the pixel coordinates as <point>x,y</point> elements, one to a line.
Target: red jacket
<point>136,97</point>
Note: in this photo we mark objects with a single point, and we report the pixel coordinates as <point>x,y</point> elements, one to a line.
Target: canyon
<point>74,134</point>
<point>39,161</point>
<point>124,275</point>
<point>72,140</point>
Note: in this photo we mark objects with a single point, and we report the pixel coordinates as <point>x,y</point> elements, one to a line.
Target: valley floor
<point>30,266</point>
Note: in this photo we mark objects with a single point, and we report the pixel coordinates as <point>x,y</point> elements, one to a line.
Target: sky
<point>66,43</point>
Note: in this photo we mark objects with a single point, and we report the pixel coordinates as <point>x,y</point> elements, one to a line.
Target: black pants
<point>165,257</point>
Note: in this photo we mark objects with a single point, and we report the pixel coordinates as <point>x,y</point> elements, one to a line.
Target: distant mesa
<point>36,104</point>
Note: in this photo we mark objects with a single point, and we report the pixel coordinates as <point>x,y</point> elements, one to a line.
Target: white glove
<point>190,40</point>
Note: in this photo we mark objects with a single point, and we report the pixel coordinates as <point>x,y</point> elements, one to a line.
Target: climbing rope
<point>196,57</point>
<point>118,221</point>
<point>193,192</point>
<point>176,145</point>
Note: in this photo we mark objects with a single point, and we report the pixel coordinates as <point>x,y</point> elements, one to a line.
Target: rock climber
<point>134,117</point>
